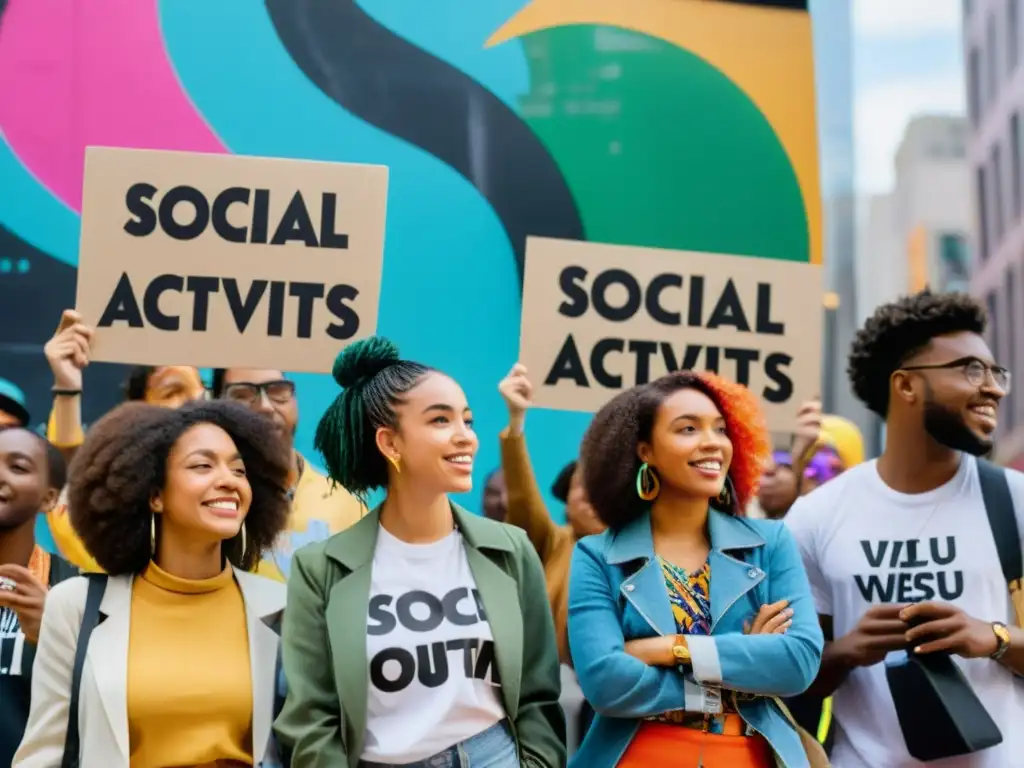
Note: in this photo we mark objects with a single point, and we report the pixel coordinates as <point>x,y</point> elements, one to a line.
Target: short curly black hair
<point>608,455</point>
<point>898,331</point>
<point>123,462</point>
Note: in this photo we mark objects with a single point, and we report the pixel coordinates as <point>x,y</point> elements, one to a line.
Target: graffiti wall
<point>652,122</point>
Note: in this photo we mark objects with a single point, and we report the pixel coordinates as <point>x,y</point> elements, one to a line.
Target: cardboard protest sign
<point>598,319</point>
<point>226,260</point>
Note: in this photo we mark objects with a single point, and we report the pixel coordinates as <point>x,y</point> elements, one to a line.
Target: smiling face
<point>689,447</point>
<point>955,412</point>
<point>206,495</point>
<point>24,478</point>
<point>434,443</point>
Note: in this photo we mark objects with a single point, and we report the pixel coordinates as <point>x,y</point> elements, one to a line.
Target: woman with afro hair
<point>686,619</point>
<point>176,505</point>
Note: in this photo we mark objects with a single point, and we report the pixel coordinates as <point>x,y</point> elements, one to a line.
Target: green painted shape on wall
<point>660,148</point>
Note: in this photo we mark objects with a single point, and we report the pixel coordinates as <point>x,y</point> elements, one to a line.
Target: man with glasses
<point>899,550</point>
<point>318,511</point>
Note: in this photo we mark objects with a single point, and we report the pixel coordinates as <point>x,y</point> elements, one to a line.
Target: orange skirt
<point>675,746</point>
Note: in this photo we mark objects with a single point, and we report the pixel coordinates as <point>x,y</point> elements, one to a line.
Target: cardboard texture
<point>599,318</point>
<point>285,272</point>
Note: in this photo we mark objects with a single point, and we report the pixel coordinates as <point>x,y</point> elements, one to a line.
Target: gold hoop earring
<point>396,463</point>
<point>647,483</point>
<point>152,534</point>
<point>242,557</point>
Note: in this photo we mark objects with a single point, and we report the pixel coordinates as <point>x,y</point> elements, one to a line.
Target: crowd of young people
<point>702,587</point>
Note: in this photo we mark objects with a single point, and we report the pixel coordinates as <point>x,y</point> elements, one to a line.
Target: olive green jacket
<point>323,722</point>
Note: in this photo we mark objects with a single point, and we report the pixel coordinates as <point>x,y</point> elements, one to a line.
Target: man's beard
<point>947,428</point>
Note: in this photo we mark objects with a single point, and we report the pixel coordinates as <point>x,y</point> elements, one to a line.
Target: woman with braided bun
<point>687,620</point>
<point>420,636</point>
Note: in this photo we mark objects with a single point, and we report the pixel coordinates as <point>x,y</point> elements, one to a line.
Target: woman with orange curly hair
<point>686,619</point>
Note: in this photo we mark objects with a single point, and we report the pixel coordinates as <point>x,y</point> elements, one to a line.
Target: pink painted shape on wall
<point>89,72</point>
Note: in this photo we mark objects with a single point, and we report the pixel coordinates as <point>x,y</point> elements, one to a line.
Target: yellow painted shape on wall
<point>766,52</point>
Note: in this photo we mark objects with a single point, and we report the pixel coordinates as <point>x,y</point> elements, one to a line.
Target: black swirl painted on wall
<point>397,87</point>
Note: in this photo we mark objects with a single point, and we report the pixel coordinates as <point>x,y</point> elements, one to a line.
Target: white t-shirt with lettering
<point>864,543</point>
<point>433,675</point>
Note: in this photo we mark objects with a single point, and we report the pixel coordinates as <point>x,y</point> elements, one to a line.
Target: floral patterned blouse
<point>690,595</point>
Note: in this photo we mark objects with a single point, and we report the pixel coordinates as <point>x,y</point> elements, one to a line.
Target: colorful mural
<point>674,123</point>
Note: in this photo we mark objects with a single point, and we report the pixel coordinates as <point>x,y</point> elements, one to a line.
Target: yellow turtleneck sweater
<point>189,680</point>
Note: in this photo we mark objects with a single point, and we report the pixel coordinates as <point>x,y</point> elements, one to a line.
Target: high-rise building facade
<point>993,37</point>
<point>832,22</point>
<point>917,235</point>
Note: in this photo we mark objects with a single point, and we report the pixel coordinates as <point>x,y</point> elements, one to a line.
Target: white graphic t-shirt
<point>864,543</point>
<point>434,681</point>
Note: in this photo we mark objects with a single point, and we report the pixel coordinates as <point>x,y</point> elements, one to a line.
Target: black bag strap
<point>90,619</point>
<point>1002,519</point>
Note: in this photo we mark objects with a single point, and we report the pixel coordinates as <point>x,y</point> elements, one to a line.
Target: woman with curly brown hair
<point>176,506</point>
<point>687,620</point>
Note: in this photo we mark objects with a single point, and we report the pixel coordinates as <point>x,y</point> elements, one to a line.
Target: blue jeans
<point>493,748</point>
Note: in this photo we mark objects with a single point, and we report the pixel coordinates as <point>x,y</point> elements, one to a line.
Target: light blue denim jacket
<point>617,593</point>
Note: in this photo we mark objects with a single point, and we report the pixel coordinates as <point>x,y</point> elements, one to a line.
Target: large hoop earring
<point>396,463</point>
<point>152,534</point>
<point>242,556</point>
<point>647,483</point>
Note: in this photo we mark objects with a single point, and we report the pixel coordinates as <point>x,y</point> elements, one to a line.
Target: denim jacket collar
<point>731,577</point>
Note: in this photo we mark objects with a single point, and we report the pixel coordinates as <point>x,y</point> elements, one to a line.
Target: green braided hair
<point>373,379</point>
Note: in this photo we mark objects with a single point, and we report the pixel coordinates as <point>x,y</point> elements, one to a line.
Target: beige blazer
<point>103,710</point>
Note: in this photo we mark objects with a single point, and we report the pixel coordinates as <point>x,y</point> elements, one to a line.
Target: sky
<point>907,60</point>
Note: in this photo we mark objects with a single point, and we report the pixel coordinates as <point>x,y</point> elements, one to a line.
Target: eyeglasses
<point>280,392</point>
<point>976,371</point>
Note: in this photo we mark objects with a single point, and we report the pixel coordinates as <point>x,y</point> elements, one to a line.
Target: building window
<point>991,303</point>
<point>975,96</point>
<point>996,179</point>
<point>954,263</point>
<point>1015,167</point>
<point>992,65</point>
<point>1012,32</point>
<point>983,218</point>
<point>1011,338</point>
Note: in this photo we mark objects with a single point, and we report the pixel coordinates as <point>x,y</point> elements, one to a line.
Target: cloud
<point>905,18</point>
<point>882,113</point>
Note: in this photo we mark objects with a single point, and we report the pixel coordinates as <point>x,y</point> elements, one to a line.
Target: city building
<point>995,99</point>
<point>917,235</point>
<point>832,24</point>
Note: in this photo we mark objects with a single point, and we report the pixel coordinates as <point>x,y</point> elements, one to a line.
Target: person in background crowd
<point>495,500</point>
<point>660,604</point>
<point>68,355</point>
<point>779,486</point>
<point>554,543</point>
<point>318,510</point>
<point>824,465</point>
<point>32,472</point>
<point>527,510</point>
<point>13,412</point>
<point>439,615</point>
<point>898,550</point>
<point>176,504</point>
